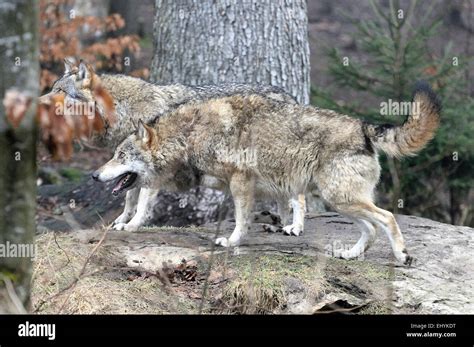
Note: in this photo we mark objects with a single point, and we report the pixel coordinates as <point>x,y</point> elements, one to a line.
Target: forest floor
<point>178,270</point>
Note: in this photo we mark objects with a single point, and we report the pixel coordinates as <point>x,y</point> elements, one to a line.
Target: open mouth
<point>124,181</point>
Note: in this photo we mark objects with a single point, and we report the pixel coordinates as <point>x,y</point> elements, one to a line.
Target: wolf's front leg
<point>145,204</point>
<point>129,210</point>
<point>299,209</point>
<point>242,189</point>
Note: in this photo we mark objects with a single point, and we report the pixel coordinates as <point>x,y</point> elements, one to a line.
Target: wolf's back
<point>229,89</point>
<point>419,128</point>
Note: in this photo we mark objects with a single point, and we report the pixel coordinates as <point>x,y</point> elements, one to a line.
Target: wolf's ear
<point>45,99</point>
<point>85,74</point>
<point>68,65</point>
<point>145,133</point>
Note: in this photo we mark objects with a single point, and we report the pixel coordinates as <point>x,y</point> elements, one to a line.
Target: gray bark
<point>211,42</point>
<point>96,8</point>
<point>249,41</point>
<point>129,12</point>
<point>19,70</point>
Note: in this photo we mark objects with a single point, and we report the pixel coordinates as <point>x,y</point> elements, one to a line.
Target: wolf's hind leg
<point>366,240</point>
<point>377,217</point>
<point>347,184</point>
<point>242,189</point>
<point>388,223</point>
<point>299,209</point>
<point>129,210</point>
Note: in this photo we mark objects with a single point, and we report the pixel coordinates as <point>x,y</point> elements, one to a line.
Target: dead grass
<point>106,287</point>
<point>255,283</point>
<point>263,283</point>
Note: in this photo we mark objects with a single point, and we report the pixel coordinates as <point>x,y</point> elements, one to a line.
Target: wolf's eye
<point>121,155</point>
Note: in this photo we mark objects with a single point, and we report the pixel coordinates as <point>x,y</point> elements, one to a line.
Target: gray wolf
<point>254,145</point>
<point>137,100</point>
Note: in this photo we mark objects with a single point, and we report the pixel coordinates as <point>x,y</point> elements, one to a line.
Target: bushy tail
<point>416,132</point>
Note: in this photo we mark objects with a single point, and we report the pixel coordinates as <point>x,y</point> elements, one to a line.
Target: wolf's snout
<point>95,175</point>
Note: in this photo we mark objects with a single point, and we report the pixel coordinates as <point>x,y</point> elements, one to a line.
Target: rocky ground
<point>178,270</point>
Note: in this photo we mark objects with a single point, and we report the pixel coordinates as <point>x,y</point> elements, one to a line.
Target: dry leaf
<point>16,104</point>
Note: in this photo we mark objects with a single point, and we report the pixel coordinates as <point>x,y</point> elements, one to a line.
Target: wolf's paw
<point>119,226</point>
<point>228,242</point>
<point>409,260</point>
<point>222,241</point>
<point>123,218</point>
<point>131,227</point>
<point>271,228</point>
<point>345,254</point>
<point>126,226</point>
<point>293,229</point>
<point>404,258</point>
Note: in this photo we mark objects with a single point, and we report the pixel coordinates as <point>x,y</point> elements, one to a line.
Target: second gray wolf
<point>134,100</point>
<point>254,145</point>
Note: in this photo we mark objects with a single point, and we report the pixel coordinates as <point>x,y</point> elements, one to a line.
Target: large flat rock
<point>274,273</point>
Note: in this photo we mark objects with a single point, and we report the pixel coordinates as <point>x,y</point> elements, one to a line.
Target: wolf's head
<point>76,84</point>
<point>132,162</point>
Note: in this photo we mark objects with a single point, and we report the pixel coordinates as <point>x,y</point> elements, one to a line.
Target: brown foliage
<point>60,126</point>
<point>16,104</point>
<point>66,35</point>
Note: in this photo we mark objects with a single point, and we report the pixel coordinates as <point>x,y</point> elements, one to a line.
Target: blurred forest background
<point>386,55</point>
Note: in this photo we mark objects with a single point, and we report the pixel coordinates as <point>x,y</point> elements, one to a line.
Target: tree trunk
<point>249,41</point>
<point>211,42</point>
<point>96,8</point>
<point>19,72</point>
<point>129,12</point>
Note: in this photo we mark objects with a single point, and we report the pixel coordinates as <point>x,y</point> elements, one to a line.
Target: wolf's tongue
<point>119,184</point>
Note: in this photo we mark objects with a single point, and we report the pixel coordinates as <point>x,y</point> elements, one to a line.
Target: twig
<point>211,258</point>
<point>341,310</point>
<point>12,295</point>
<point>65,253</point>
